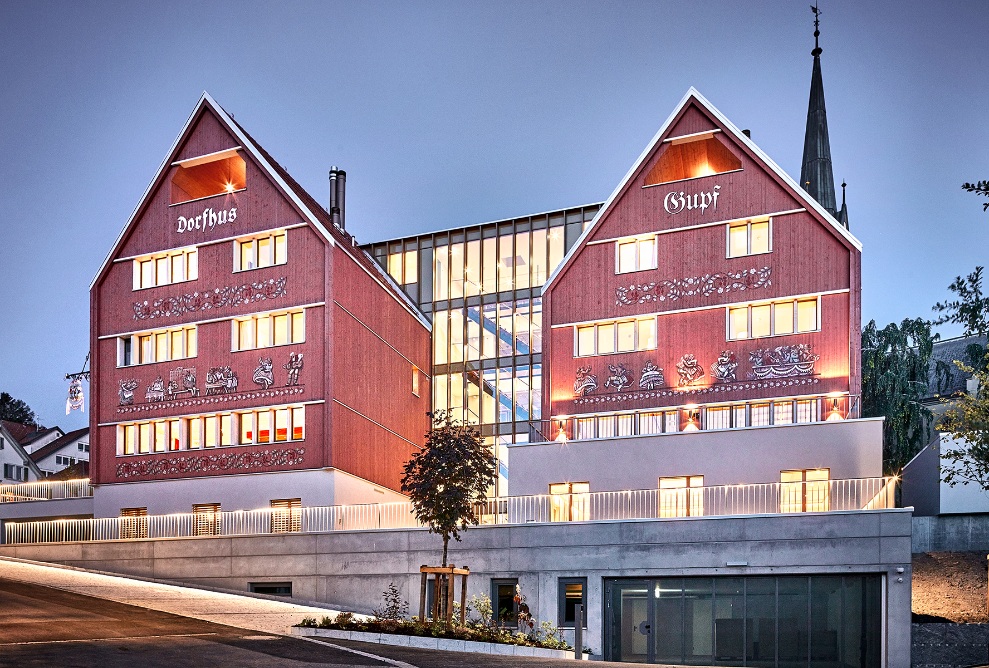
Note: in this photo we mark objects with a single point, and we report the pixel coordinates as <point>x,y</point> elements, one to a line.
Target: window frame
<point>131,344</point>
<point>748,237</point>
<point>774,304</point>
<point>637,335</point>
<point>273,236</point>
<point>270,319</point>
<point>512,618</point>
<point>639,265</point>
<point>191,254</point>
<point>561,583</point>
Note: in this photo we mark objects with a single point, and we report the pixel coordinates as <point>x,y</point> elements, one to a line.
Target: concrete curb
<point>447,644</point>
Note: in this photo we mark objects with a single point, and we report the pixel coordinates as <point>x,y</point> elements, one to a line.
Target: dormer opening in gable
<point>220,173</point>
<point>691,157</point>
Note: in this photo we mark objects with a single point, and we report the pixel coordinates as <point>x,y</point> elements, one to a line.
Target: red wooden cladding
<point>367,364</point>
<point>808,257</point>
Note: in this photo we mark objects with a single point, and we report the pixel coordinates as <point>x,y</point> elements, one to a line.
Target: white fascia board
<point>694,93</point>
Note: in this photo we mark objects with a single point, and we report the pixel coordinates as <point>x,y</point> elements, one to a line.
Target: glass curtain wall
<point>482,288</point>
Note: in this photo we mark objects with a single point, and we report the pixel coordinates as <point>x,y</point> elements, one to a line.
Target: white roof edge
<point>245,142</point>
<point>636,166</point>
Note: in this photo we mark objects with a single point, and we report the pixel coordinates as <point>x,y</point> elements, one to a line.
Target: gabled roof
<point>38,435</point>
<point>949,379</point>
<point>310,209</point>
<point>59,443</point>
<point>21,432</point>
<point>15,445</point>
<point>693,95</point>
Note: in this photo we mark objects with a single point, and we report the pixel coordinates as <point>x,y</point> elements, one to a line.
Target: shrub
<point>395,606</point>
<point>308,622</point>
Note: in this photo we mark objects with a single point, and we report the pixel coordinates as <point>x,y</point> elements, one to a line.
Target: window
<point>749,238</point>
<point>569,501</point>
<point>64,461</point>
<point>206,519</point>
<point>263,425</point>
<point>1,443</point>
<point>692,157</point>
<point>572,592</point>
<point>415,381</point>
<point>262,251</point>
<point>133,523</point>
<point>754,321</point>
<point>635,255</point>
<point>271,588</point>
<point>681,496</point>
<point>286,515</point>
<point>805,491</point>
<point>175,266</point>
<point>13,472</point>
<point>506,610</point>
<point>159,345</point>
<point>620,336</point>
<point>404,267</point>
<point>219,173</point>
<point>83,447</point>
<point>268,329</point>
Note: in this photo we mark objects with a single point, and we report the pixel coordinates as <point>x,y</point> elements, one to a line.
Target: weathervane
<point>817,29</point>
<point>76,401</point>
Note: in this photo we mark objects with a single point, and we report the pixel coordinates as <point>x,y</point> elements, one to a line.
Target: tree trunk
<point>446,542</point>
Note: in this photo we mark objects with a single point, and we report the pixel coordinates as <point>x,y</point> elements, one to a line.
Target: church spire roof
<point>816,176</point>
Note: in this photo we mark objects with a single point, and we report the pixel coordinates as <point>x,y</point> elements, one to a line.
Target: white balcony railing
<point>727,500</point>
<point>45,490</point>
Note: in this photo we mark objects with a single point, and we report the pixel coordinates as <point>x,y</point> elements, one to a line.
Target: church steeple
<point>816,175</point>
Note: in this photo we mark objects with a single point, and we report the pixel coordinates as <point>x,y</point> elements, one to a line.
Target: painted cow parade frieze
<point>652,377</point>
<point>689,370</point>
<point>126,391</point>
<point>783,361</point>
<point>263,374</point>
<point>723,370</point>
<point>585,383</point>
<point>221,380</point>
<point>706,285</point>
<point>293,367</point>
<point>619,378</point>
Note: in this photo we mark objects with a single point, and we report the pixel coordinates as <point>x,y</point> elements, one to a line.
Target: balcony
<point>643,504</point>
<point>46,490</point>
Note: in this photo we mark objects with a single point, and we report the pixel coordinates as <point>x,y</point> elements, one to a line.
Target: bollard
<point>578,632</point>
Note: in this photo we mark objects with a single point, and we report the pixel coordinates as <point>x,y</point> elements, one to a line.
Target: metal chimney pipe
<point>342,197</point>
<point>334,204</point>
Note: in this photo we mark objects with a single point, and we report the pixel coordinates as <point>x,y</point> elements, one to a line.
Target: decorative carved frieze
<point>263,375</point>
<point>126,391</point>
<point>293,367</point>
<point>718,388</point>
<point>619,378</point>
<point>213,462</point>
<point>221,380</point>
<point>689,370</point>
<point>585,383</point>
<point>783,361</point>
<point>723,370</point>
<point>652,377</point>
<point>706,285</point>
<point>217,399</point>
<point>235,295</point>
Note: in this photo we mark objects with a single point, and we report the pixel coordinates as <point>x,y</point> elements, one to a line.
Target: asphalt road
<point>43,627</point>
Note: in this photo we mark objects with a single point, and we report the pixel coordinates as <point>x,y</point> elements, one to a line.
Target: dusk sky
<point>446,114</point>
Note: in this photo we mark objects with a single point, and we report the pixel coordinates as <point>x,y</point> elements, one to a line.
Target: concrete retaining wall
<point>951,533</point>
<point>351,569</point>
<point>950,645</point>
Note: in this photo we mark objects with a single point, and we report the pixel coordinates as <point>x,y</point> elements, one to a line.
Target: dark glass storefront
<point>818,621</point>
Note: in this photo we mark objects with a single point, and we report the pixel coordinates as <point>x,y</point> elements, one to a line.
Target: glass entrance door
<point>630,622</point>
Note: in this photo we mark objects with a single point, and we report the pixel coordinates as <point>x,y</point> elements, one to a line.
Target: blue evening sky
<point>453,113</point>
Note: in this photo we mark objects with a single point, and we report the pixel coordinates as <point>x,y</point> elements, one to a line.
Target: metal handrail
<point>724,500</point>
<point>46,490</point>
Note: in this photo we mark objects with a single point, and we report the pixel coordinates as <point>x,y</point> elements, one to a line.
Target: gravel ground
<point>952,585</point>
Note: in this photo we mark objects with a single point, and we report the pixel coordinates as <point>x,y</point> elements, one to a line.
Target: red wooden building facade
<point>236,329</point>
<point>709,292</point>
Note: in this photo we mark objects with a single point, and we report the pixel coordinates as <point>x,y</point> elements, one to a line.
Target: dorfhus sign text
<point>207,220</point>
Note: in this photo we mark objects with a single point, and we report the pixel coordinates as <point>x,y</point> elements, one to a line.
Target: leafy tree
<point>895,376</point>
<point>15,410</point>
<point>967,421</point>
<point>971,310</point>
<point>979,188</point>
<point>448,477</point>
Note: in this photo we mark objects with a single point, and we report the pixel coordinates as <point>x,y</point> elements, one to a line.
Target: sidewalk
<point>246,612</point>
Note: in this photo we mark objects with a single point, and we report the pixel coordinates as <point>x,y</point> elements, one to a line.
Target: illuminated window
<point>161,345</point>
<point>616,336</point>
<point>415,381</point>
<point>635,255</point>
<point>681,496</point>
<point>268,329</point>
<point>805,491</point>
<point>261,251</point>
<point>572,592</point>
<point>219,173</point>
<point>166,268</point>
<point>569,501</point>
<point>782,412</point>
<point>807,411</point>
<point>404,267</point>
<point>206,519</point>
<point>749,238</point>
<point>692,157</point>
<point>286,515</point>
<point>776,319</point>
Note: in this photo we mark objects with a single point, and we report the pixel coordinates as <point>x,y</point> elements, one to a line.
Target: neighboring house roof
<point>58,444</point>
<point>38,435</point>
<point>14,444</point>
<point>946,378</point>
<point>20,432</point>
<point>77,470</point>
